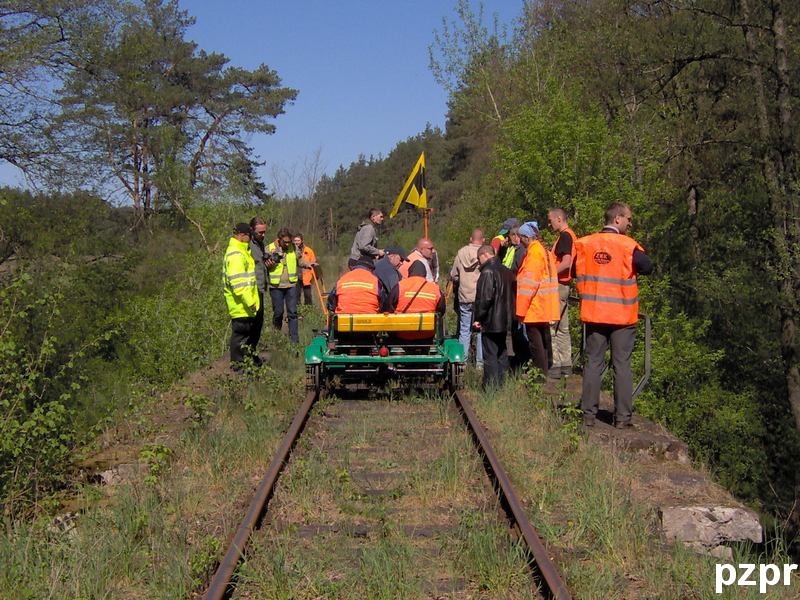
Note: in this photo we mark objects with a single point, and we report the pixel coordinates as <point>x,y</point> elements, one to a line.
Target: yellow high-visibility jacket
<point>239,280</point>
<point>291,266</point>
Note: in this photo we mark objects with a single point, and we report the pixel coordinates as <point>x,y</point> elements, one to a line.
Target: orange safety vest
<point>406,264</point>
<point>357,291</point>
<point>565,277</point>
<point>410,301</point>
<point>308,254</point>
<point>605,279</point>
<point>417,294</point>
<point>537,286</point>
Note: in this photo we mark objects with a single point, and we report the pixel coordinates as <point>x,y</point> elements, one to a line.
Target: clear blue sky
<point>361,67</point>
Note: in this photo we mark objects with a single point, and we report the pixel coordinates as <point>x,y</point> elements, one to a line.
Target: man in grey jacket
<point>365,245</point>
<point>259,229</point>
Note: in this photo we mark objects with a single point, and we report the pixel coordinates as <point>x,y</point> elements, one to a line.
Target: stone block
<point>709,526</point>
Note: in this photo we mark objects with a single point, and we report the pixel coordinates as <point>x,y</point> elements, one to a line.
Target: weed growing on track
<point>384,499</point>
<point>578,498</point>
<point>486,554</point>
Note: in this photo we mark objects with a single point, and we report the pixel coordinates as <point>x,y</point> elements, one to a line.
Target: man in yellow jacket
<point>241,295</point>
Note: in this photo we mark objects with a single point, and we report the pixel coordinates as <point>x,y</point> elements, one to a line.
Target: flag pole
<point>425,213</point>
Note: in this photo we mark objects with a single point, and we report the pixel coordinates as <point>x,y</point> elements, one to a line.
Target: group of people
<point>513,288</point>
<point>387,279</point>
<point>284,268</point>
<point>517,288</point>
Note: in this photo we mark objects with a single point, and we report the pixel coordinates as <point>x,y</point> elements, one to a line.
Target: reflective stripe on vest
<point>606,280</point>
<point>565,277</point>
<point>276,271</point>
<point>357,291</point>
<point>537,287</point>
<point>417,294</point>
<point>239,281</point>
<point>426,299</point>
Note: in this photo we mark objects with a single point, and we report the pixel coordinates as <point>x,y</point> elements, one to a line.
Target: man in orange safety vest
<point>605,267</point>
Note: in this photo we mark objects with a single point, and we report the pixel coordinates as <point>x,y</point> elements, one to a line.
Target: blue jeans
<point>465,331</point>
<point>279,296</point>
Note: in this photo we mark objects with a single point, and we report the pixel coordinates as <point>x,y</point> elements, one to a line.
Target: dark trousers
<point>598,338</point>
<point>495,358</point>
<point>305,290</point>
<point>280,297</point>
<point>241,332</point>
<point>258,324</point>
<point>539,345</point>
<point>519,344</point>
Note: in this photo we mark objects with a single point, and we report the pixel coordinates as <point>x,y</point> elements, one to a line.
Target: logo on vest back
<point>602,258</point>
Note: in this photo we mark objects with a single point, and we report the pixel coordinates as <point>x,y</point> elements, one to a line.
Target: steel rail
<point>221,585</point>
<point>543,568</point>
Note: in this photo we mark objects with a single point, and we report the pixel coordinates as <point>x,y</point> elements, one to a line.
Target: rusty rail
<point>545,573</point>
<point>221,585</point>
<point>544,570</point>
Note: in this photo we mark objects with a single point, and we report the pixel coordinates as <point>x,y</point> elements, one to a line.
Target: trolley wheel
<point>313,377</point>
<point>456,376</point>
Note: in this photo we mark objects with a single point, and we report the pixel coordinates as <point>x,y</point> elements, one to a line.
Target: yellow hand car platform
<point>407,322</point>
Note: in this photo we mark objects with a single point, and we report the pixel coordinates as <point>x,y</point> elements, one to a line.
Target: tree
<point>160,117</point>
<point>35,50</point>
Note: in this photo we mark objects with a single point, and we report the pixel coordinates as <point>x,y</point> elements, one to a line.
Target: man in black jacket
<point>494,314</point>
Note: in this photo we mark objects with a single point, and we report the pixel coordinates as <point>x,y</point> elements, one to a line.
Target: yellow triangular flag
<point>414,191</point>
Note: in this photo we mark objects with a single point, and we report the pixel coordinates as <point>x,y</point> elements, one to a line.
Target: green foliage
<point>686,393</point>
<point>201,407</point>
<point>35,432</point>
<point>554,153</point>
<point>203,560</point>
<point>154,110</point>
<point>156,457</point>
<point>92,319</point>
<point>180,327</point>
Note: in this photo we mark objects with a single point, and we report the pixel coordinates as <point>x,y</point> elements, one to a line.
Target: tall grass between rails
<point>578,498</point>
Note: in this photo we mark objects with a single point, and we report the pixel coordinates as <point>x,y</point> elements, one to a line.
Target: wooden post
<point>425,213</point>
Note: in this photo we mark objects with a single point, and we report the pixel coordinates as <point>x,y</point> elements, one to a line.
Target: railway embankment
<point>691,508</point>
<point>383,496</point>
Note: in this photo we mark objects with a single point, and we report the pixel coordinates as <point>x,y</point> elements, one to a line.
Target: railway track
<point>545,580</point>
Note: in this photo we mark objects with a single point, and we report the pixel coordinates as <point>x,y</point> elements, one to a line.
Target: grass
<point>579,498</point>
<point>162,536</point>
<point>384,499</point>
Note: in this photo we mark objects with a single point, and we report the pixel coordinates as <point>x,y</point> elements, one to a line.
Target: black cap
<point>396,250</point>
<point>242,228</point>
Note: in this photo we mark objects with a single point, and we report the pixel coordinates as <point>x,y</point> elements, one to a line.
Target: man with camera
<point>283,266</point>
<point>258,229</point>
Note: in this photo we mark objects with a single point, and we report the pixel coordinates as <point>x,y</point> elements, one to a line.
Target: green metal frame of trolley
<point>371,350</point>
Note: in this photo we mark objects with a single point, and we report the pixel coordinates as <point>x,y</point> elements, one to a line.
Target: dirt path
<point>384,500</point>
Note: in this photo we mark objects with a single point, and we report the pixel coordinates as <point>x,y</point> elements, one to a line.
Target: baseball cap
<point>241,228</point>
<point>396,250</point>
<point>508,224</point>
